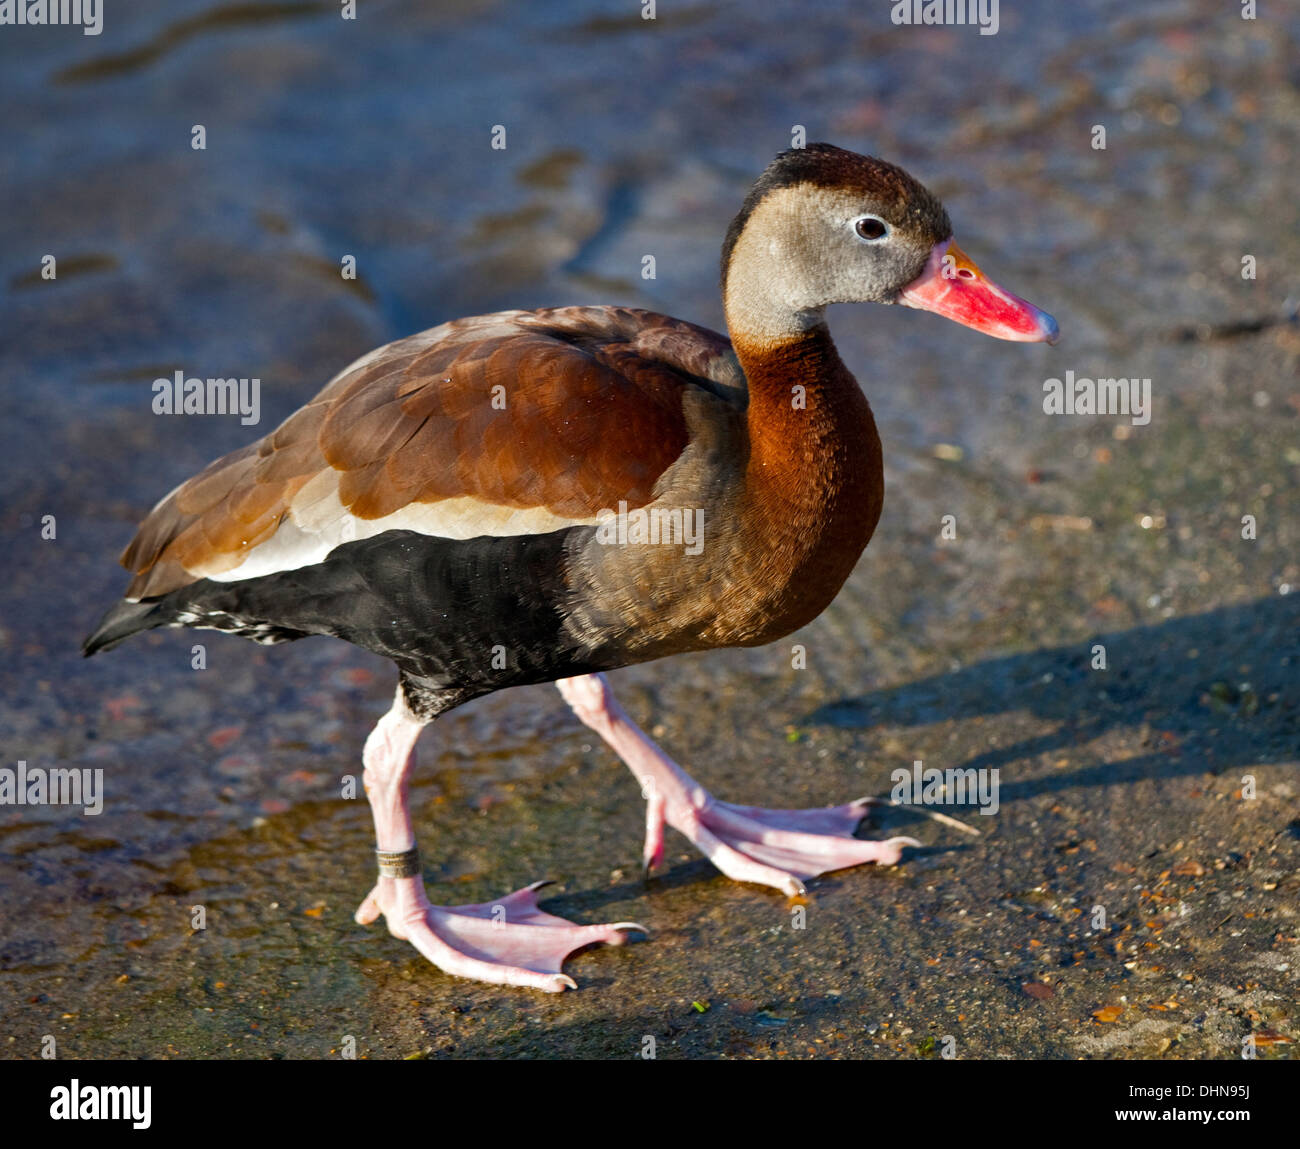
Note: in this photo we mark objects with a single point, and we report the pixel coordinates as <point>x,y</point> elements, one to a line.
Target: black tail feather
<point>123,620</point>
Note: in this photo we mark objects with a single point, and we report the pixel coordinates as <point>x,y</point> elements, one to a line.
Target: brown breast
<point>791,491</point>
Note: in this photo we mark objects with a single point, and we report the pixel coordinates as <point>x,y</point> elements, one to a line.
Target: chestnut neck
<point>806,411</point>
<point>814,481</point>
<point>812,438</point>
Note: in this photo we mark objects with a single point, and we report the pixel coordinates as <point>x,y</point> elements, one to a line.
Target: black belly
<point>460,618</point>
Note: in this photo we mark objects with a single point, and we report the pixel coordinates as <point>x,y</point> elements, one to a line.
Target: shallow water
<point>625,137</point>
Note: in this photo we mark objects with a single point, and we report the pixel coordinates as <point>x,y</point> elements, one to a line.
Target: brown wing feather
<point>592,415</point>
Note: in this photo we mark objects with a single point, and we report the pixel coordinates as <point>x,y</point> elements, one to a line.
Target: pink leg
<point>507,942</point>
<point>770,847</point>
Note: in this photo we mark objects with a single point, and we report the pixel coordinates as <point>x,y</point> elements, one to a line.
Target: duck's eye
<point>869,227</point>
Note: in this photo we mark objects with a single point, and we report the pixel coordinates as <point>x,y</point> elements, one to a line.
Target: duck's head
<point>823,225</point>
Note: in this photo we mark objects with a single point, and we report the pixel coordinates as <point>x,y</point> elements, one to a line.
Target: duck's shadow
<point>1209,692</point>
<point>1176,686</point>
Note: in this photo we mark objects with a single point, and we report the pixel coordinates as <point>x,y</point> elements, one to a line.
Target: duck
<point>550,495</point>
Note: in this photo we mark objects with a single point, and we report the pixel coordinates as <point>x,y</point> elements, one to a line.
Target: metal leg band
<point>399,863</point>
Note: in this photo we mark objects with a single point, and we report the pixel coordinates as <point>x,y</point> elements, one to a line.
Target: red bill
<point>953,286</point>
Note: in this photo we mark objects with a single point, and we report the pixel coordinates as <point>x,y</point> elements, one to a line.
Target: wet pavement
<point>1161,790</point>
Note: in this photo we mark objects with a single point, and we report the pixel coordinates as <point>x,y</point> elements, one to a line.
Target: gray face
<point>804,247</point>
<point>840,246</point>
